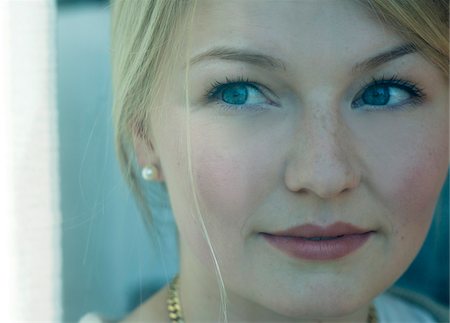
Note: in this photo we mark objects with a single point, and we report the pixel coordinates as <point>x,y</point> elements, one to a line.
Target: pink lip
<point>311,230</point>
<point>330,242</point>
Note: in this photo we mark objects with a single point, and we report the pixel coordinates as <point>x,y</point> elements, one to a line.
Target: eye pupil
<point>376,95</point>
<point>235,94</point>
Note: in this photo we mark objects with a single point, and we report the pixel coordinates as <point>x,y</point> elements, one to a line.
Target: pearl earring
<point>149,173</point>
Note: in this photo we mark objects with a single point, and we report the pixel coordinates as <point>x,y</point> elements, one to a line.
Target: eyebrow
<point>269,62</point>
<point>240,55</point>
<point>384,57</point>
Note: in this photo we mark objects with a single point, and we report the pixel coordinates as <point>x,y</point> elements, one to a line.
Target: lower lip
<point>318,250</point>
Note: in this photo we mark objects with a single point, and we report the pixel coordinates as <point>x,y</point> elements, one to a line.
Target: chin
<point>321,306</point>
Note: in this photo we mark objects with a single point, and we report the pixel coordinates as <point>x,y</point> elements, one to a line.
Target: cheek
<point>222,181</point>
<point>419,187</point>
<point>229,184</point>
<point>235,167</point>
<point>413,181</point>
<point>223,192</point>
<point>233,179</point>
<point>412,191</point>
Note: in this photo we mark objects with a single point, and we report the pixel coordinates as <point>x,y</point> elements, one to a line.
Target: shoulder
<point>403,305</point>
<point>152,310</point>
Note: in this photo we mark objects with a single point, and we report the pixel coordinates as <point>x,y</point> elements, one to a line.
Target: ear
<point>145,153</point>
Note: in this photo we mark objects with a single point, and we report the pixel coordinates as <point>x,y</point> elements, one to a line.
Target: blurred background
<point>110,265</point>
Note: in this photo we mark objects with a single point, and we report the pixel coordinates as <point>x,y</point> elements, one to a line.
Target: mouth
<point>312,231</point>
<point>323,238</point>
<point>314,242</point>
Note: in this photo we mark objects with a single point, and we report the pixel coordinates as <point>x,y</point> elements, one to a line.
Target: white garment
<point>91,318</point>
<point>390,309</point>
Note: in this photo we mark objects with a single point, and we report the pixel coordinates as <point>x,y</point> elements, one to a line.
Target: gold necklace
<point>176,314</point>
<point>173,303</point>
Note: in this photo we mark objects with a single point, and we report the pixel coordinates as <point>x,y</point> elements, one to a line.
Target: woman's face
<point>311,136</point>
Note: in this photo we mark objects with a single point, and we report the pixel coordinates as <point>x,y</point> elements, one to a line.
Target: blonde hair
<point>424,23</point>
<point>146,40</point>
<point>143,38</point>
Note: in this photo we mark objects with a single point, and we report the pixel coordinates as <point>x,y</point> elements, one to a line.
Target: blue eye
<point>235,94</point>
<point>238,94</point>
<point>389,94</point>
<point>380,94</point>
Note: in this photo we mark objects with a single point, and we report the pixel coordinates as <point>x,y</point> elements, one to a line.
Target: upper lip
<point>311,230</point>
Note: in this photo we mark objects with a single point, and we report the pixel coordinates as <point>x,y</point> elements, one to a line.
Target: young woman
<point>303,145</point>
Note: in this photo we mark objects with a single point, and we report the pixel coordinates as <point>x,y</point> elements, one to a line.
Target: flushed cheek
<point>234,178</point>
<point>421,186</point>
<point>412,187</point>
<point>416,200</point>
<point>226,184</point>
<point>224,191</point>
<point>413,193</point>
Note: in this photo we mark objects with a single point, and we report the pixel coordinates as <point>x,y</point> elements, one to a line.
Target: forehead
<point>320,31</point>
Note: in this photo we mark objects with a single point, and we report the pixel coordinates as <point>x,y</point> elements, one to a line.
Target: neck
<point>200,300</point>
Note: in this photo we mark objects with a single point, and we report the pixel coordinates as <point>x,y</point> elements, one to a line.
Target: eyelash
<point>417,94</point>
<point>414,90</point>
<point>217,86</point>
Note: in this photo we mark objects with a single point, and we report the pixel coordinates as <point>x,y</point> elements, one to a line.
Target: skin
<point>309,159</point>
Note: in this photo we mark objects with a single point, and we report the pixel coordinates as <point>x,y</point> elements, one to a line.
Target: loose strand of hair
<point>222,290</point>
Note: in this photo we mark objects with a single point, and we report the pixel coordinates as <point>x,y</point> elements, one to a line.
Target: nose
<point>323,158</point>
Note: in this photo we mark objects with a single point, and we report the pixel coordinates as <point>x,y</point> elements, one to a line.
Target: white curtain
<point>30,254</point>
